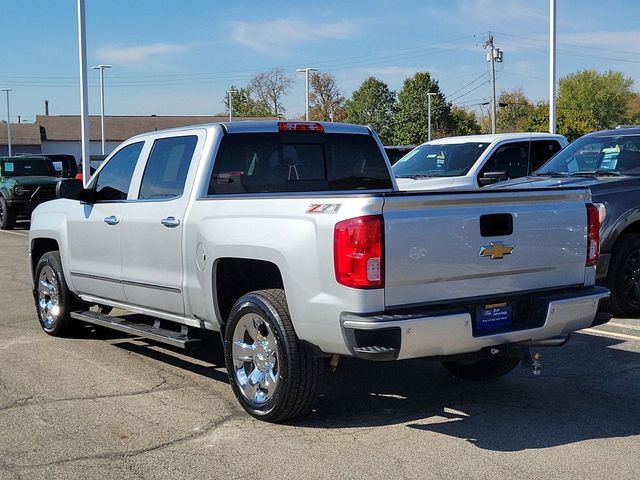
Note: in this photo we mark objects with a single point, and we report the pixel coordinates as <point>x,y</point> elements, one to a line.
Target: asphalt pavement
<point>106,406</point>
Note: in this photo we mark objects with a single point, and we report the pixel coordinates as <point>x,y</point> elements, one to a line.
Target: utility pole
<point>8,120</point>
<point>101,68</point>
<point>306,71</point>
<point>493,55</point>
<point>84,112</point>
<point>552,66</point>
<point>230,93</point>
<point>429,95</point>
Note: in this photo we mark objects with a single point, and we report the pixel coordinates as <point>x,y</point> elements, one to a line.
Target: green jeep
<point>25,182</point>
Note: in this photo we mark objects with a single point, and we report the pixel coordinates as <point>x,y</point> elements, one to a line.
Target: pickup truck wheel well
<point>235,277</point>
<point>39,247</point>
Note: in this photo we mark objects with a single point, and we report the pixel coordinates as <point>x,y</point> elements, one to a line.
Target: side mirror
<point>71,189</point>
<point>488,178</point>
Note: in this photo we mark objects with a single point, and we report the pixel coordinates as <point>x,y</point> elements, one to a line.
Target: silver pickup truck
<point>292,240</point>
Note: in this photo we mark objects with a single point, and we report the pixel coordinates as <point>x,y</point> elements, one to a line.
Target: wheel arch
<point>40,246</point>
<point>233,277</point>
<point>629,224</point>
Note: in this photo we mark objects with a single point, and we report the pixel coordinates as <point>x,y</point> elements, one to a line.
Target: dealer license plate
<point>494,316</point>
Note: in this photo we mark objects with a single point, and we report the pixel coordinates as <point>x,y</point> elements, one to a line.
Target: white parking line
<point>602,333</point>
<point>623,325</point>
<point>20,234</point>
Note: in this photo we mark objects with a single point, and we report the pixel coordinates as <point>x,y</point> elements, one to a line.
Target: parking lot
<point>103,405</point>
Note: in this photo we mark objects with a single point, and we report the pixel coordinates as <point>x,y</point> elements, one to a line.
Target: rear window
<point>297,162</point>
<point>20,167</point>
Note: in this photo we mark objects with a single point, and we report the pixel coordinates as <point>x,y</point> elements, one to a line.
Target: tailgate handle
<point>496,224</point>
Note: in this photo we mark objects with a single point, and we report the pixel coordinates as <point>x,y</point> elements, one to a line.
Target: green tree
<point>633,109</point>
<point>244,105</point>
<point>412,121</point>
<point>325,100</point>
<point>463,122</point>
<point>514,109</point>
<point>373,104</point>
<point>589,100</point>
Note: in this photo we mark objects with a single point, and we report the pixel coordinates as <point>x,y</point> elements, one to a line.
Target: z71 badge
<point>324,208</point>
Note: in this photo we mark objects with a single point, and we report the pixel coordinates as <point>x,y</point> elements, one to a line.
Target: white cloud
<point>138,54</point>
<point>277,37</point>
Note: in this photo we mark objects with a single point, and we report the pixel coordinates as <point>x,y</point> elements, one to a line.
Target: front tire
<point>486,369</point>
<point>274,375</point>
<point>623,278</point>
<point>7,215</point>
<point>54,301</point>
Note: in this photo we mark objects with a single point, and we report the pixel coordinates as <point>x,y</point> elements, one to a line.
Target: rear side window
<point>541,151</point>
<point>297,162</point>
<point>167,167</point>
<point>114,179</point>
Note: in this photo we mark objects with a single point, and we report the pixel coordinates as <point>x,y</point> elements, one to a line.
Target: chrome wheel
<point>48,297</point>
<point>256,359</point>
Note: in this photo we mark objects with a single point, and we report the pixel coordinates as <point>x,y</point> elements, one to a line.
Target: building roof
<point>21,134</point>
<point>118,127</point>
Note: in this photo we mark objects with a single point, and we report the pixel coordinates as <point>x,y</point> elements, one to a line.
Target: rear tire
<point>486,369</point>
<point>54,301</point>
<point>623,278</point>
<point>7,215</point>
<point>274,376</point>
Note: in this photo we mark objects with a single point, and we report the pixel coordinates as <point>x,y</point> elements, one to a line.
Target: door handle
<point>111,220</point>
<point>170,222</point>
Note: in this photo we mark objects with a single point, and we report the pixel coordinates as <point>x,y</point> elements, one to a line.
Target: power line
<point>468,84</point>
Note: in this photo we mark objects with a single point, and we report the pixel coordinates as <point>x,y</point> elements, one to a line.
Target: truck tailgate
<point>445,246</point>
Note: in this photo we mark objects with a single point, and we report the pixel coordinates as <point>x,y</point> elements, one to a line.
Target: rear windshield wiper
<point>611,173</point>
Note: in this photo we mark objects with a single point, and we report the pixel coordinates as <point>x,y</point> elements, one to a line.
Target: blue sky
<point>179,57</point>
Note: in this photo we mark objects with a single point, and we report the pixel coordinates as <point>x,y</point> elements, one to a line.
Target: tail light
<point>300,127</point>
<point>358,249</point>
<point>595,216</point>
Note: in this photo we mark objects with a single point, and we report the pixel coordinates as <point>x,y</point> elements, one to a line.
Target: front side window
<point>297,162</point>
<point>167,167</point>
<point>512,159</point>
<point>114,179</point>
<point>448,160</point>
<point>597,155</point>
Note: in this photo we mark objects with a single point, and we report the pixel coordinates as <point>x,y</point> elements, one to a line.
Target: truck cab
<point>475,161</point>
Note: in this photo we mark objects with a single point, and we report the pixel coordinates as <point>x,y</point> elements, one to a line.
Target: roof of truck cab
<point>264,126</point>
<point>491,138</point>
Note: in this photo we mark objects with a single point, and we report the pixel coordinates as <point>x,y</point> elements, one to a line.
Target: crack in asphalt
<point>195,433</point>
<point>24,402</point>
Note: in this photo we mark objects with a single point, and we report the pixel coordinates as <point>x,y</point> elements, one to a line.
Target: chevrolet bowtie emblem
<point>496,251</point>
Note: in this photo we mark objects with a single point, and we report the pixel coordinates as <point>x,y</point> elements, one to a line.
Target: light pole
<point>84,112</point>
<point>429,95</point>
<point>8,120</point>
<point>552,66</point>
<point>230,93</point>
<point>306,71</point>
<point>101,68</point>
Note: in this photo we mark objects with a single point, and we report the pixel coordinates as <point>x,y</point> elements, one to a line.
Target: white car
<point>474,161</point>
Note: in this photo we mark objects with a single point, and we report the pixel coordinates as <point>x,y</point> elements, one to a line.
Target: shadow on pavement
<point>586,391</point>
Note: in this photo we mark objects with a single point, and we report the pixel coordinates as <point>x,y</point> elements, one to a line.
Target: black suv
<point>25,182</point>
<point>608,163</point>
